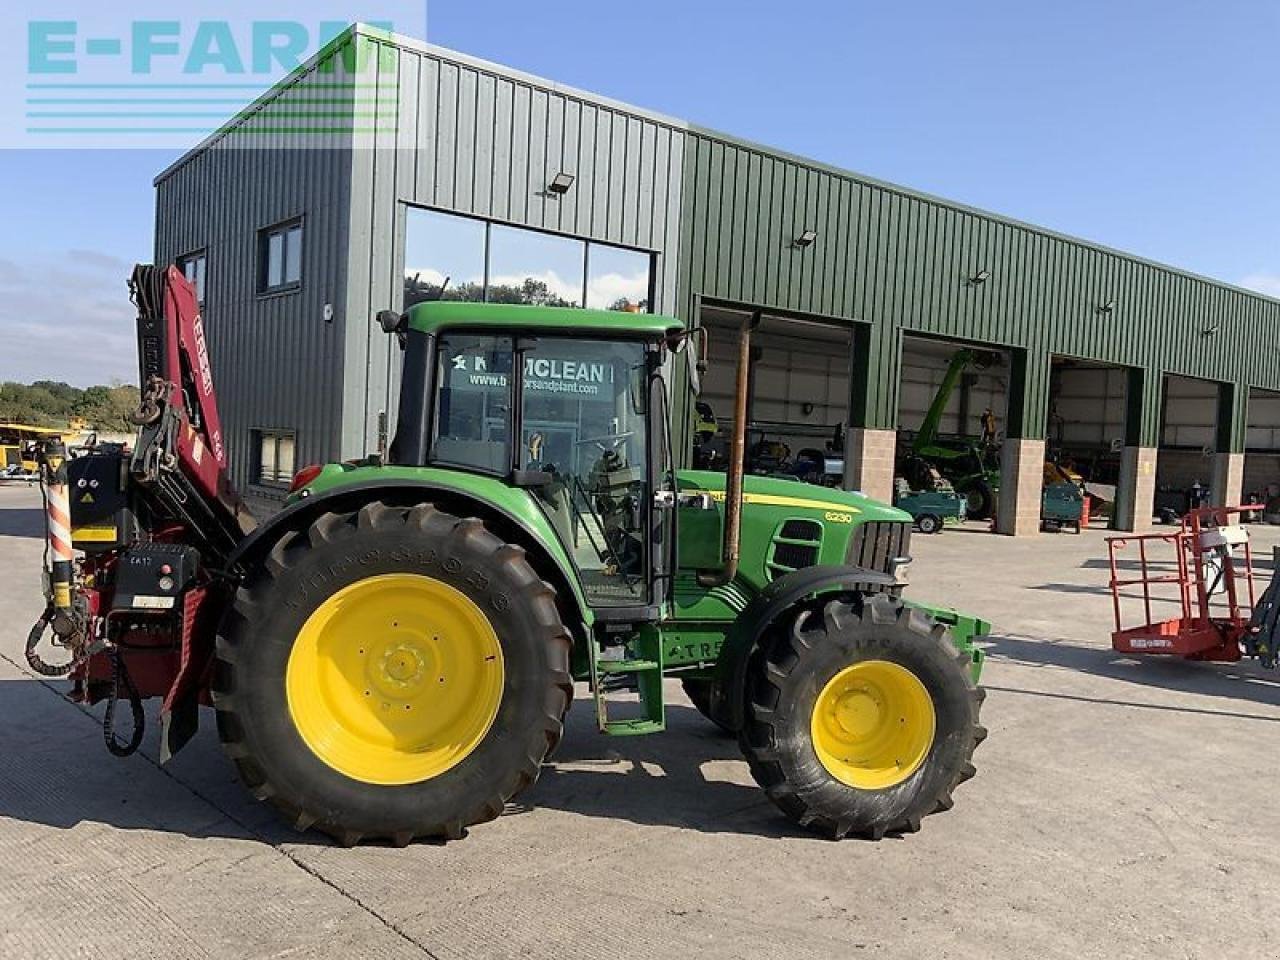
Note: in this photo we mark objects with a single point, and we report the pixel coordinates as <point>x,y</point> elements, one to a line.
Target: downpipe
<point>730,550</point>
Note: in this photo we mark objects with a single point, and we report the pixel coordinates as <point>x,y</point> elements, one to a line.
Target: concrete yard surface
<point>1122,808</point>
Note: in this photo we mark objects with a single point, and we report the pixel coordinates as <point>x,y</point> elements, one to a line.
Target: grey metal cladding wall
<point>481,140</point>
<point>276,362</point>
<point>901,261</point>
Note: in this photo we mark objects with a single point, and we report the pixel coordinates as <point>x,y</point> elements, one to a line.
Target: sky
<point>1147,126</point>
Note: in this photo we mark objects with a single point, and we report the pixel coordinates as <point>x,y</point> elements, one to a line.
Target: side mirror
<point>390,321</point>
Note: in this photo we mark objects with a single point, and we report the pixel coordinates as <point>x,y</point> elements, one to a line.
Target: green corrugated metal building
<point>299,239</point>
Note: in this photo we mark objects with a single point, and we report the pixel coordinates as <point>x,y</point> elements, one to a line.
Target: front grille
<point>801,530</point>
<point>876,543</point>
<point>795,555</point>
<point>796,544</point>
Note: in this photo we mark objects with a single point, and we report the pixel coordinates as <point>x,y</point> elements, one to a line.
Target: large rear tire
<point>862,718</point>
<point>390,674</point>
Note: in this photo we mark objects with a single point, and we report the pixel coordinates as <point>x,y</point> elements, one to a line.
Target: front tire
<point>862,718</point>
<point>928,523</point>
<point>390,674</point>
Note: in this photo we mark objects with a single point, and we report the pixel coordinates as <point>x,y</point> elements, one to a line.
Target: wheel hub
<point>858,712</point>
<point>404,707</point>
<point>873,724</point>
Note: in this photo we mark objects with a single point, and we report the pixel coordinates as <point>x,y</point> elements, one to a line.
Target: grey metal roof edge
<point>511,73</point>
<point>820,167</point>
<point>267,95</point>
<point>411,43</point>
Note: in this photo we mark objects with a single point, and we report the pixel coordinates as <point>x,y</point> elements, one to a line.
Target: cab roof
<point>436,315</point>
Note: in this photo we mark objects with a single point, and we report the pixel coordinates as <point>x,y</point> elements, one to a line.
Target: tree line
<point>51,403</point>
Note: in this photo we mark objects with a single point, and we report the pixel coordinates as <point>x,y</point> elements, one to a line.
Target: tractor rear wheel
<point>862,718</point>
<point>391,673</point>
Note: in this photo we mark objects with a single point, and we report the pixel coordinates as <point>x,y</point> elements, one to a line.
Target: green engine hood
<point>768,503</point>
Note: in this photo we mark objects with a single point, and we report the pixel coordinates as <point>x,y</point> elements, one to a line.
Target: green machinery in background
<point>971,467</point>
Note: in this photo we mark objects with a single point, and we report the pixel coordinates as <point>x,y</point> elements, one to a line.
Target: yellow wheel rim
<point>873,725</point>
<point>395,679</point>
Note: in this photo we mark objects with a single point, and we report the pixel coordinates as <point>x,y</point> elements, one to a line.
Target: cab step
<point>641,666</point>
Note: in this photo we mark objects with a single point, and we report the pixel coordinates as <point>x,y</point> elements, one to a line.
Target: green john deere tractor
<point>397,648</point>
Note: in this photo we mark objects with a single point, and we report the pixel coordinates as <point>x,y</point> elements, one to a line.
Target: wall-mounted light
<point>560,183</point>
<point>1108,306</point>
<point>982,276</point>
<point>806,239</point>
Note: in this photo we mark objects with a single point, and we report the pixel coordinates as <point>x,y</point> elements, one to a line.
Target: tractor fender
<point>546,559</point>
<point>728,690</point>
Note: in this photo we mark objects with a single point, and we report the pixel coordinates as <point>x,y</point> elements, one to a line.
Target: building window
<point>451,257</point>
<point>280,257</point>
<point>444,257</point>
<point>535,268</point>
<point>273,456</point>
<point>193,268</point>
<point>618,279</point>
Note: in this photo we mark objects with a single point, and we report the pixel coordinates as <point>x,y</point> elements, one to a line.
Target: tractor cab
<point>569,405</point>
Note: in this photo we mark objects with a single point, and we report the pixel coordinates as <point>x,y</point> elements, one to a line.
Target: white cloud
<point>1268,283</point>
<point>59,323</point>
<point>608,288</point>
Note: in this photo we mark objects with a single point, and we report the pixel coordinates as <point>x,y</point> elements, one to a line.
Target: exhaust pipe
<point>730,546</point>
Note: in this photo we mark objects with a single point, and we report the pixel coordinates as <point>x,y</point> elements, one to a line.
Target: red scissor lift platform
<point>1201,573</point>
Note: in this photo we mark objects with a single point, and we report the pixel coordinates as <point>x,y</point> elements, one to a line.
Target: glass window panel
<point>284,458</point>
<point>266,456</point>
<point>275,259</point>
<point>193,268</point>
<point>618,279</point>
<point>293,255</point>
<point>440,247</point>
<point>473,404</point>
<point>536,268</point>
<point>584,424</point>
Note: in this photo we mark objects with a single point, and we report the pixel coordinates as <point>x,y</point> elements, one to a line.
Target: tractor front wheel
<point>862,718</point>
<point>392,673</point>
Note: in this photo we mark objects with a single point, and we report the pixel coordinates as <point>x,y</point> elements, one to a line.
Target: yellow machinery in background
<point>18,444</point>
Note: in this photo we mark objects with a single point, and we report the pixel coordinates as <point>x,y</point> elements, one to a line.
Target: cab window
<point>473,405</point>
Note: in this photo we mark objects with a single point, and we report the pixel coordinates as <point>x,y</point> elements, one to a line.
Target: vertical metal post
<point>53,475</point>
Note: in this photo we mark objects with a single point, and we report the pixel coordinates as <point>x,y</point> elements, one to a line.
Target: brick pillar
<point>1227,486</point>
<point>1021,486</point>
<point>1136,491</point>
<point>868,465</point>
